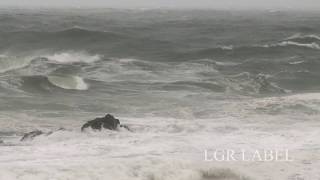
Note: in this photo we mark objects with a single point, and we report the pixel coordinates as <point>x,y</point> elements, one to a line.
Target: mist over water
<point>184,80</point>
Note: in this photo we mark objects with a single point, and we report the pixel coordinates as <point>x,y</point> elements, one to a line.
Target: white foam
<point>291,43</point>
<point>227,47</point>
<point>153,151</point>
<point>313,36</point>
<point>226,63</point>
<point>8,63</point>
<point>73,57</point>
<point>296,62</point>
<point>300,36</point>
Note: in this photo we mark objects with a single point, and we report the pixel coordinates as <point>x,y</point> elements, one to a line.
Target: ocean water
<point>184,81</point>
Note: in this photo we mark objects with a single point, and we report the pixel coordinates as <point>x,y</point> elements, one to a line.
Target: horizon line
<point>158,8</point>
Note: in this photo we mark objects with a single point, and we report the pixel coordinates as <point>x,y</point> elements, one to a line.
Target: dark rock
<point>126,127</point>
<point>31,135</point>
<point>62,129</point>
<point>107,122</point>
<point>1,142</point>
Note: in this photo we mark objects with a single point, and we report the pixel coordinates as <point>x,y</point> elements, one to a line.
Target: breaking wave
<point>51,83</point>
<point>304,38</point>
<point>68,82</point>
<point>11,62</point>
<point>39,73</point>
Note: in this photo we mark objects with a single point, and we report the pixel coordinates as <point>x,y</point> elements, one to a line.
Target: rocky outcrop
<point>106,122</point>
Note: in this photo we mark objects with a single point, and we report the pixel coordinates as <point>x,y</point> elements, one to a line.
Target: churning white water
<point>187,83</point>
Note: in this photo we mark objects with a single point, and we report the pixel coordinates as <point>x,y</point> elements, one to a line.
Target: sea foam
<point>73,57</point>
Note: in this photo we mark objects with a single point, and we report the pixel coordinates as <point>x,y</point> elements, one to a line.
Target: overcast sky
<point>212,4</point>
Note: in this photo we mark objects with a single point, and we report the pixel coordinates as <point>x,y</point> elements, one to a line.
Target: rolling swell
<point>69,39</point>
<point>120,45</point>
<point>64,58</point>
<point>80,39</point>
<point>67,71</point>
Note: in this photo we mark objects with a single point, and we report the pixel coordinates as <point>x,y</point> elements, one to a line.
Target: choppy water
<point>183,80</point>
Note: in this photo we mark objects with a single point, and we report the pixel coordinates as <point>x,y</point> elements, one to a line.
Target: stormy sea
<point>186,82</point>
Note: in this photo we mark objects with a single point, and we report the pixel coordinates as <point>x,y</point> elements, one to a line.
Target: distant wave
<point>226,47</point>
<point>72,39</point>
<point>85,34</point>
<point>82,32</point>
<point>308,41</point>
<point>300,37</point>
<point>296,62</point>
<point>75,32</point>
<point>298,41</point>
<point>69,42</point>
<point>292,43</point>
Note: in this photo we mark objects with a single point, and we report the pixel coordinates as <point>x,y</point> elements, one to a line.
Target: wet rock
<point>126,127</point>
<point>107,122</point>
<point>31,135</point>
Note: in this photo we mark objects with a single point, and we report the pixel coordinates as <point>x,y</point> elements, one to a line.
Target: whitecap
<point>73,57</point>
<point>291,43</point>
<point>299,36</point>
<point>219,63</point>
<point>8,63</point>
<point>227,47</point>
<point>296,62</point>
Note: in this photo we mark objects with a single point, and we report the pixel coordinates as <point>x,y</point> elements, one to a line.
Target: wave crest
<point>73,57</point>
<point>14,62</point>
<point>292,43</point>
<point>304,38</point>
<point>68,82</point>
